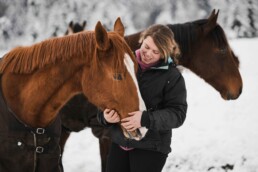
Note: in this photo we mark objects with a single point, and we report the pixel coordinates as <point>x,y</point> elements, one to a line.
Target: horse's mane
<point>27,59</point>
<point>185,34</point>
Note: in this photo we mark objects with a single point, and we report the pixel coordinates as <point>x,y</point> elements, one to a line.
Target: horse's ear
<point>84,24</point>
<point>211,23</point>
<point>217,13</point>
<point>119,27</point>
<point>71,24</point>
<point>212,13</point>
<point>101,37</point>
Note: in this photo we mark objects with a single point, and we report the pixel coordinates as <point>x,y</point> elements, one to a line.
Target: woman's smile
<point>149,51</point>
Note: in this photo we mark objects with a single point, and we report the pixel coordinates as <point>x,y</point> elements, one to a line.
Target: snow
<point>216,132</point>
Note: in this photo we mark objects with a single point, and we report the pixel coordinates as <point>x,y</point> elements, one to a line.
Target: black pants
<point>136,160</point>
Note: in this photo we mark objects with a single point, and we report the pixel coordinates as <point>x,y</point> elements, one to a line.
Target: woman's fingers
<point>106,111</point>
<point>114,115</point>
<point>111,116</point>
<point>129,128</point>
<point>115,118</point>
<point>132,129</point>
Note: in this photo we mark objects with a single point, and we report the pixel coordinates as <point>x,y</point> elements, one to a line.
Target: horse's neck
<point>41,95</point>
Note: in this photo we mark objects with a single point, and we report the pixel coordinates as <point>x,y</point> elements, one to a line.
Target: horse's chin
<point>137,134</point>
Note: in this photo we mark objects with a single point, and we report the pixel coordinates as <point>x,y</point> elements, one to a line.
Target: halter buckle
<point>40,131</point>
<point>39,149</point>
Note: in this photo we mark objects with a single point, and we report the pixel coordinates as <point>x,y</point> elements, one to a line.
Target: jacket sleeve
<point>172,111</point>
<point>101,119</point>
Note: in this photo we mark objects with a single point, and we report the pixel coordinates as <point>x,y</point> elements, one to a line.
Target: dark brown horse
<point>36,81</point>
<point>205,51</point>
<point>75,27</point>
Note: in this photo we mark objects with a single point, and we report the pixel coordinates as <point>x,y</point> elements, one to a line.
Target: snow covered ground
<point>216,133</point>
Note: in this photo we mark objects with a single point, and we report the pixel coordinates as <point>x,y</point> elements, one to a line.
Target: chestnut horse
<point>36,81</point>
<point>205,51</point>
<point>79,113</point>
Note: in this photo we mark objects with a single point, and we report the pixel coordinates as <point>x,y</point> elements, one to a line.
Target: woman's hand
<point>111,116</point>
<point>132,122</point>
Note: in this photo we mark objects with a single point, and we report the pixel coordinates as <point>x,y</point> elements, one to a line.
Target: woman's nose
<point>148,53</point>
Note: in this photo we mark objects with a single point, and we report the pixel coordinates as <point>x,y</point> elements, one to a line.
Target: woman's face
<point>149,51</point>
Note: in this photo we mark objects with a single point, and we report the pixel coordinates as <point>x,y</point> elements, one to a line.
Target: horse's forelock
<point>217,33</point>
<point>219,37</point>
<point>27,59</point>
<point>121,49</point>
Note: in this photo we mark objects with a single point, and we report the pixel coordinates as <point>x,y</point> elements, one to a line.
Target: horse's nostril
<point>229,96</point>
<point>232,96</point>
<point>240,90</point>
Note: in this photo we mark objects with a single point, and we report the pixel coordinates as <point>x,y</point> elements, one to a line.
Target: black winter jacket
<point>163,90</point>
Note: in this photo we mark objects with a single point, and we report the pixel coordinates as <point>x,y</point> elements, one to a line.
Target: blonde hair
<point>163,38</point>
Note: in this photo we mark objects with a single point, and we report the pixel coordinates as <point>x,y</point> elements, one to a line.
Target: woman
<point>163,90</point>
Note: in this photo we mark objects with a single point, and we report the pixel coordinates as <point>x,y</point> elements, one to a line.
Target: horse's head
<point>213,59</point>
<point>111,80</point>
<point>75,27</point>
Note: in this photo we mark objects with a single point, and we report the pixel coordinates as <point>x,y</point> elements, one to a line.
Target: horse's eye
<point>223,50</point>
<point>118,76</point>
